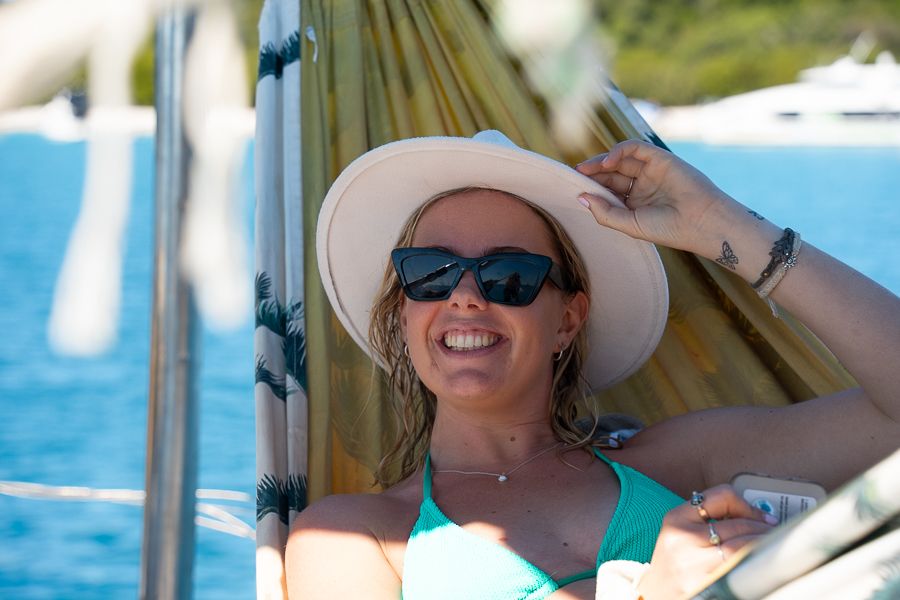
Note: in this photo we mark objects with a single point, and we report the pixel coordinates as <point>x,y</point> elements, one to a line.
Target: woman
<point>501,494</point>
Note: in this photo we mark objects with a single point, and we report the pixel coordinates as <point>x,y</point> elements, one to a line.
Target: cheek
<point>414,320</point>
<point>546,321</point>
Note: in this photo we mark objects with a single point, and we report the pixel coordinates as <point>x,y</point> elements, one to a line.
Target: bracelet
<point>784,257</point>
<point>782,268</point>
<point>780,252</point>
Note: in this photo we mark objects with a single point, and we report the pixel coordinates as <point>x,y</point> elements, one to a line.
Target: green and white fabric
<point>279,341</point>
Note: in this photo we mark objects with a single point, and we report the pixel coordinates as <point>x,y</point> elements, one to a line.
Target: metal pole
<point>171,480</point>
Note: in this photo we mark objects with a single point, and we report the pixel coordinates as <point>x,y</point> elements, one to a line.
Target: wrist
<point>741,241</point>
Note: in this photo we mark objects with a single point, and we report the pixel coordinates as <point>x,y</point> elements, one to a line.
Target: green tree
<point>690,51</point>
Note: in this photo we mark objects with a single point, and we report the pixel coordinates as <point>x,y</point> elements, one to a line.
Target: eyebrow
<point>501,249</point>
<point>486,251</point>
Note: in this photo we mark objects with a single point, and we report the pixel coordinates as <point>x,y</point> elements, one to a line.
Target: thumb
<point>614,217</point>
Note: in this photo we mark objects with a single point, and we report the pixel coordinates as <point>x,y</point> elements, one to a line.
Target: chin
<point>467,385</point>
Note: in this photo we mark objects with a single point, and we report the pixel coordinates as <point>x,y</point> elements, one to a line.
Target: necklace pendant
<point>502,478</point>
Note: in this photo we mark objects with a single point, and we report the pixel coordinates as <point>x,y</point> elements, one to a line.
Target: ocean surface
<point>82,422</point>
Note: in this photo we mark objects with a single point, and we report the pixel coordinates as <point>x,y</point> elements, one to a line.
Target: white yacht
<point>847,103</point>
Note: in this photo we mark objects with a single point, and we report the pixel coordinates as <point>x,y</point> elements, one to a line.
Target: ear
<point>574,316</point>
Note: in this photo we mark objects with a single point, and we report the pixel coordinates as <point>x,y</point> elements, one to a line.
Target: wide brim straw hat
<point>368,204</point>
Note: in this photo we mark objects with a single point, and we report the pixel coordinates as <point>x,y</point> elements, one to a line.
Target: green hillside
<point>686,52</point>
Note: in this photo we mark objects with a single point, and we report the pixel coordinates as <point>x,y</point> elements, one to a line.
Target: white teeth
<point>469,341</point>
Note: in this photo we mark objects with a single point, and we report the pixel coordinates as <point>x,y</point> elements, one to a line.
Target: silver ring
<point>697,502</point>
<point>714,539</point>
<point>630,186</point>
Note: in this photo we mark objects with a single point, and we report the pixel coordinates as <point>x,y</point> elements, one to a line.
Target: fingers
<point>611,163</point>
<point>614,217</point>
<point>733,529</point>
<point>627,157</point>
<point>734,545</point>
<point>697,537</point>
<point>722,502</point>
<point>614,181</point>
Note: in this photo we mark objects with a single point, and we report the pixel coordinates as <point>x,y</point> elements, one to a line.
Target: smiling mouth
<point>464,342</point>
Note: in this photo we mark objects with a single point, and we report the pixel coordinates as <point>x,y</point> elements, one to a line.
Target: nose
<point>467,294</point>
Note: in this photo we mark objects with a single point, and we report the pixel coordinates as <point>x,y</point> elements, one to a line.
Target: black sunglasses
<point>512,278</point>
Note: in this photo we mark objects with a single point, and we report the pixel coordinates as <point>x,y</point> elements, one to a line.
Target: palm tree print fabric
<point>279,339</point>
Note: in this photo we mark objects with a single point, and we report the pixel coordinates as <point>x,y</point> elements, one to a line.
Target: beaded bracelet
<point>781,269</point>
<point>784,257</point>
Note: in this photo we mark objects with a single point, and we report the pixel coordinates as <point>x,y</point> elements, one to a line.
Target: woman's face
<point>517,343</point>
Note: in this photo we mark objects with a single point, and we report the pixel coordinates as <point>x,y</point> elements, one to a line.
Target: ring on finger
<point>628,195</point>
<point>714,538</point>
<point>697,502</point>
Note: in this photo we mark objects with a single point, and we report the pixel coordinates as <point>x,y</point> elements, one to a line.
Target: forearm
<point>855,317</point>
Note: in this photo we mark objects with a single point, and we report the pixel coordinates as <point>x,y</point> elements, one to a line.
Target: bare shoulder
<point>350,545</point>
<point>351,512</point>
<point>384,517</point>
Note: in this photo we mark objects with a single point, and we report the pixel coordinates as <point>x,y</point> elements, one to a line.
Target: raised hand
<point>667,201</point>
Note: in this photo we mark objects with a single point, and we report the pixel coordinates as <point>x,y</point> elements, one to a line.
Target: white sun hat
<point>368,204</point>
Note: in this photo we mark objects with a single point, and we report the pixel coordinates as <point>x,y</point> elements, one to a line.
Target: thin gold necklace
<point>504,476</point>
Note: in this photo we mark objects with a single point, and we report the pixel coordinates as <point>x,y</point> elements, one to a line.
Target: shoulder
<point>349,545</point>
<point>348,509</point>
<point>358,513</point>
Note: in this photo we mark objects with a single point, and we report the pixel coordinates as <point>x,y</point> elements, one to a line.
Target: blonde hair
<point>414,405</point>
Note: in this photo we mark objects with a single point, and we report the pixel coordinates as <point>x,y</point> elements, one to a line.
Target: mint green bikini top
<point>443,560</point>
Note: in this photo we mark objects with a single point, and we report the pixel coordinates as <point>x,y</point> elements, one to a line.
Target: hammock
<point>367,72</point>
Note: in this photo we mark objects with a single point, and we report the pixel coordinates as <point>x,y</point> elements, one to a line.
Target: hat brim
<point>366,207</point>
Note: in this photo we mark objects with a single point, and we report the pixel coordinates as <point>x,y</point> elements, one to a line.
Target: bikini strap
<point>426,478</point>
<point>601,456</point>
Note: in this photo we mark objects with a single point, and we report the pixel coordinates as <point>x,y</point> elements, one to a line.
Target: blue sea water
<point>846,201</point>
<point>67,421</point>
<point>83,422</point>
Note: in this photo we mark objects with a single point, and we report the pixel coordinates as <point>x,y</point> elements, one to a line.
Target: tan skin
<point>492,405</point>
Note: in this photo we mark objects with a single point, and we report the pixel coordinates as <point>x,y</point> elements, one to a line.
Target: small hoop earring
<point>558,357</point>
<point>406,351</point>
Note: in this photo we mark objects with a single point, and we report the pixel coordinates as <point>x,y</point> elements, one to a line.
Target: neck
<point>461,441</point>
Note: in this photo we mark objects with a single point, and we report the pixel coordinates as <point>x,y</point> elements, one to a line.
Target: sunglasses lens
<point>511,280</point>
<point>428,276</point>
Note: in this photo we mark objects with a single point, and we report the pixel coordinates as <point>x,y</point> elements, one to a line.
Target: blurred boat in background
<point>846,103</point>
<point>64,119</point>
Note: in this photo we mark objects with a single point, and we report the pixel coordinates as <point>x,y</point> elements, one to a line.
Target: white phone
<point>781,498</point>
